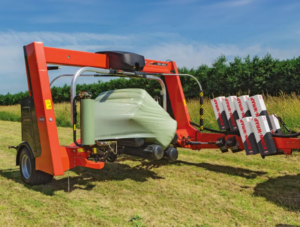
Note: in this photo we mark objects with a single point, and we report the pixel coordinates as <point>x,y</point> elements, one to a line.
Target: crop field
<point>285,106</point>
<point>202,188</point>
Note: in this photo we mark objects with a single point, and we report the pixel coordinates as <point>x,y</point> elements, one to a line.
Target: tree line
<point>241,76</point>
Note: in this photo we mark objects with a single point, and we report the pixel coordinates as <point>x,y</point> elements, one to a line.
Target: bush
<point>241,76</point>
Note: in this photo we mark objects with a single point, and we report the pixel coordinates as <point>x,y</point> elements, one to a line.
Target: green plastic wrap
<point>87,123</point>
<point>132,113</point>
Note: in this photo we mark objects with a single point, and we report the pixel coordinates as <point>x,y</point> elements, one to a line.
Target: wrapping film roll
<point>87,121</point>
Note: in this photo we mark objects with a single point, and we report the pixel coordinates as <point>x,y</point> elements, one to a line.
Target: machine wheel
<point>27,169</point>
<point>111,157</point>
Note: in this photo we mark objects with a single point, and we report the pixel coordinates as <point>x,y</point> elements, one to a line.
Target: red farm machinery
<point>41,157</point>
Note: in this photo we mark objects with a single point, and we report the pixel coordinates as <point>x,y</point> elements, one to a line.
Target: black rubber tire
<point>112,157</point>
<point>32,176</point>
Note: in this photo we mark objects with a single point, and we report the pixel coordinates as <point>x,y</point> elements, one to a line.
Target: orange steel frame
<point>56,159</point>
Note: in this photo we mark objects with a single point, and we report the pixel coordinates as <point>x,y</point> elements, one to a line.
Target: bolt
<point>50,119</point>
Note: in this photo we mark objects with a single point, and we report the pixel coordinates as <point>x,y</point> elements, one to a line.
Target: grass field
<point>62,113</point>
<point>285,106</point>
<point>202,188</point>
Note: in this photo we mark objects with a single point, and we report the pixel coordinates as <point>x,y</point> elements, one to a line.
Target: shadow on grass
<point>86,178</point>
<point>285,225</point>
<point>234,171</point>
<point>283,191</point>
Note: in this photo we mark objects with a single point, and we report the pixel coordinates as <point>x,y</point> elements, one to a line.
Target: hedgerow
<point>241,76</point>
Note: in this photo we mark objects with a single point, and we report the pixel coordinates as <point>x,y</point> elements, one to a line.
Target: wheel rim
<point>26,167</point>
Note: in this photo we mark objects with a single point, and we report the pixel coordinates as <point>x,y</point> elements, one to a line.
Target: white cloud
<point>223,3</point>
<point>58,37</point>
<point>11,43</point>
<point>175,2</point>
<point>232,3</point>
<point>239,2</point>
<point>193,55</point>
<point>12,66</point>
<point>152,46</point>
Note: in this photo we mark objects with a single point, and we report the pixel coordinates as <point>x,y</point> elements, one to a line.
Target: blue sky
<point>190,32</point>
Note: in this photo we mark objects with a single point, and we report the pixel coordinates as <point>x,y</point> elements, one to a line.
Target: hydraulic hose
<point>237,132</point>
<point>216,131</point>
<point>286,136</point>
<point>208,129</point>
<point>75,121</point>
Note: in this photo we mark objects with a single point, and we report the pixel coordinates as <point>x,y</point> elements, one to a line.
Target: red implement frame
<point>56,159</point>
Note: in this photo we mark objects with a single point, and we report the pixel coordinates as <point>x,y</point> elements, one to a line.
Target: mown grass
<point>202,188</point>
<point>285,106</point>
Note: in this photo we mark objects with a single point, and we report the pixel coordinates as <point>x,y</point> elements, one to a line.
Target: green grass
<point>8,116</point>
<point>62,113</point>
<point>202,188</point>
<point>285,106</point>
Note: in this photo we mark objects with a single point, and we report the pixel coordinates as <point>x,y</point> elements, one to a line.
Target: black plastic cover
<point>233,144</point>
<point>126,61</point>
<point>221,143</point>
<point>30,131</point>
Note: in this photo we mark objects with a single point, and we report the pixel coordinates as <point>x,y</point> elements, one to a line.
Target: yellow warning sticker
<point>80,150</point>
<point>184,102</point>
<point>48,104</point>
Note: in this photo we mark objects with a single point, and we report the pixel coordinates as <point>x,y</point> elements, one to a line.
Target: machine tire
<point>112,157</point>
<point>27,170</point>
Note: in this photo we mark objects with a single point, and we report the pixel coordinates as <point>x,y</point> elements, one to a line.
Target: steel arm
<point>149,77</point>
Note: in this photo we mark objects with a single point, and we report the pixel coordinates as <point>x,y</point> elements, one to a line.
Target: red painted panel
<point>50,160</point>
<point>79,158</point>
<point>65,158</point>
<point>75,58</point>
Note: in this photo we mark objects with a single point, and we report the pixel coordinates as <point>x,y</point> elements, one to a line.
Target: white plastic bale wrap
<point>132,113</point>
